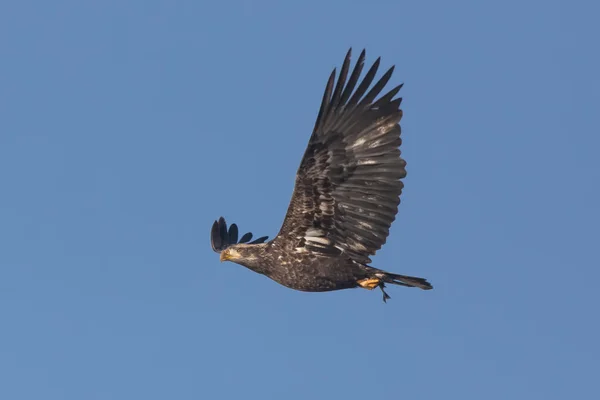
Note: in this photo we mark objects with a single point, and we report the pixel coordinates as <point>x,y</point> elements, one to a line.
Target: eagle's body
<point>306,271</point>
<point>345,198</point>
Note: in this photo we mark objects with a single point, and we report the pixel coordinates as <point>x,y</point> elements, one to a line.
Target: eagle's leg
<point>369,283</point>
<point>372,283</point>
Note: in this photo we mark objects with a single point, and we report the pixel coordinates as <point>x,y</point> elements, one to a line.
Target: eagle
<point>346,194</point>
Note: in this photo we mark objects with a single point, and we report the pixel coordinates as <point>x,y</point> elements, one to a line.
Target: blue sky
<point>129,126</point>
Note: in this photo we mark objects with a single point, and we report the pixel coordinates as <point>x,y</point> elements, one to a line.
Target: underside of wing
<point>348,184</point>
<point>221,237</point>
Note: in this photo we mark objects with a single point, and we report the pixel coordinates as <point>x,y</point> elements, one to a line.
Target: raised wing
<point>221,238</point>
<point>348,184</point>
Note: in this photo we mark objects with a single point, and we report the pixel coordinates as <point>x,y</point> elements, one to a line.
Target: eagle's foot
<point>369,283</point>
<point>372,283</point>
<point>385,295</point>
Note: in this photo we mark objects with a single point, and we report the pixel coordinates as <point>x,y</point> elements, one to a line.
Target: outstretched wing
<point>221,238</point>
<point>348,184</point>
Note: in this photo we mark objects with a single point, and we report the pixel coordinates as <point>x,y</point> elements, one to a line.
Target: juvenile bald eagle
<point>345,198</point>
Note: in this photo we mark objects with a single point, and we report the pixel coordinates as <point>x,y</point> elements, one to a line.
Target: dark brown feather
<point>348,184</point>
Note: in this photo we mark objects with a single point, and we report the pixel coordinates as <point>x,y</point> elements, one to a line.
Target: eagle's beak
<point>229,255</point>
<point>224,256</point>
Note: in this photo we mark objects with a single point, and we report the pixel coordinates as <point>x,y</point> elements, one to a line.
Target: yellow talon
<point>369,283</point>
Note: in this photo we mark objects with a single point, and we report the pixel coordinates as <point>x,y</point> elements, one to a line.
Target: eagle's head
<point>241,253</point>
<point>251,256</point>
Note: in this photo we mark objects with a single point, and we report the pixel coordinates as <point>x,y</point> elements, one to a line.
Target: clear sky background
<point>128,127</point>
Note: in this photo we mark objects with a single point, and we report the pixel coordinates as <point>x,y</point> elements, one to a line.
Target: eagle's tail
<point>404,280</point>
<point>378,278</point>
<point>401,280</point>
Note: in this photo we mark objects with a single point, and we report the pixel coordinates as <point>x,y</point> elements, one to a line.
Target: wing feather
<point>221,237</point>
<point>348,184</point>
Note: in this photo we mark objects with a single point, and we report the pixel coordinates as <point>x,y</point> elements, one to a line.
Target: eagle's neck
<point>256,258</point>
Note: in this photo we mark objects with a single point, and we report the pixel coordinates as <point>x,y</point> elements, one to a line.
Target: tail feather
<point>404,280</point>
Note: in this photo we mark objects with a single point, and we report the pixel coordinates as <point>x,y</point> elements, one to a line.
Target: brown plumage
<point>345,198</point>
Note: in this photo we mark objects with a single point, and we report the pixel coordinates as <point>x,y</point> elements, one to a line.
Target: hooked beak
<point>224,256</point>
<point>229,255</point>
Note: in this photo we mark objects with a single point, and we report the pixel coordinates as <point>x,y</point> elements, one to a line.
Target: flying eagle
<point>345,198</point>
